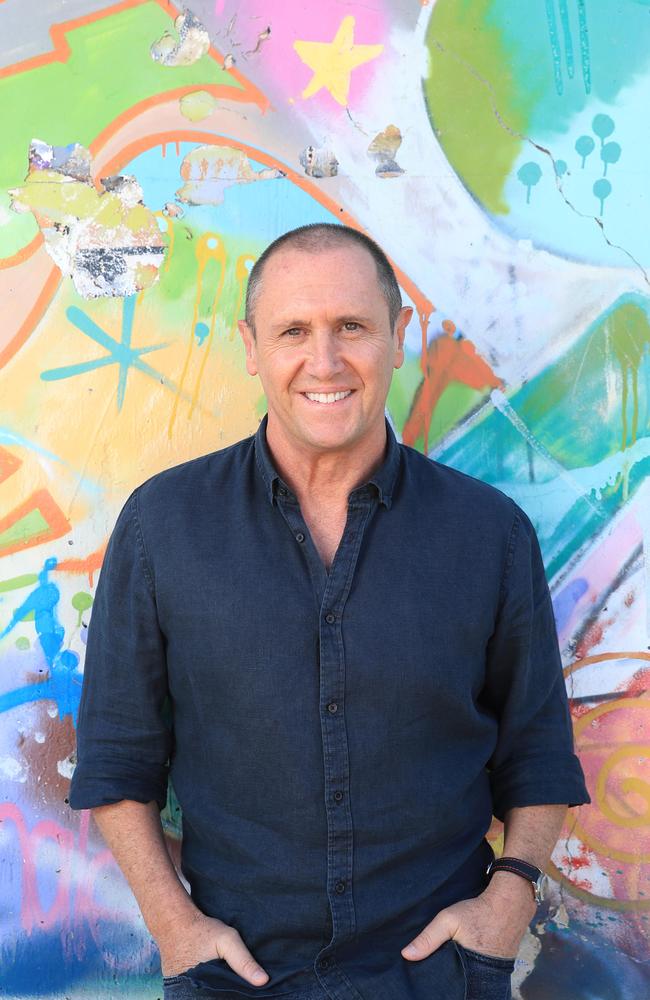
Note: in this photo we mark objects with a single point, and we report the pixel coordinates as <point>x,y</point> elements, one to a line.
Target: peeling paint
<point>209,170</point>
<point>192,44</point>
<point>197,106</point>
<point>109,242</point>
<point>383,150</point>
<point>319,161</point>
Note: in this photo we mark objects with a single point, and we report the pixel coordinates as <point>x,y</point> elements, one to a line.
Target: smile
<point>327,397</point>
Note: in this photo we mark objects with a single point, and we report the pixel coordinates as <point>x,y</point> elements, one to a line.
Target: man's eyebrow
<point>344,318</point>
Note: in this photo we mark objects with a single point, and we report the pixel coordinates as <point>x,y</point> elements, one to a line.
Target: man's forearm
<point>530,833</point>
<point>133,832</point>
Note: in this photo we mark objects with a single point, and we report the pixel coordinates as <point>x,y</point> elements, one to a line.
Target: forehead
<point>346,270</point>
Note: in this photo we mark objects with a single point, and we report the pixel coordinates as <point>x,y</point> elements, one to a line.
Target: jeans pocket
<point>487,977</point>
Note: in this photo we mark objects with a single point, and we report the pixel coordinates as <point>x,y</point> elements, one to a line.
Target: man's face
<point>324,349</point>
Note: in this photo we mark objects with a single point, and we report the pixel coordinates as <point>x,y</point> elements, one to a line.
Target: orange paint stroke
<point>82,567</point>
<point>61,50</point>
<point>9,464</point>
<point>602,657</point>
<point>36,313</point>
<point>24,253</point>
<point>447,360</point>
<point>43,501</point>
<point>133,149</point>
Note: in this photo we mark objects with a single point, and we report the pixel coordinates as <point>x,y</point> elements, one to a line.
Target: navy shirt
<point>338,741</point>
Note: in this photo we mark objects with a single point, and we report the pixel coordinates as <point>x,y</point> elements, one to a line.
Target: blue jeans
<point>486,978</point>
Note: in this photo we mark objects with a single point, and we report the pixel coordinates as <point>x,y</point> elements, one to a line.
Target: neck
<point>329,475</point>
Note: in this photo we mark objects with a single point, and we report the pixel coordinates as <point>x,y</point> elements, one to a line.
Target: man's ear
<point>403,320</point>
<point>250,346</point>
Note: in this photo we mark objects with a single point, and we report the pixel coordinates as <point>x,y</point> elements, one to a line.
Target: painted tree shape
<point>560,168</point>
<point>610,153</point>
<point>602,189</point>
<point>529,175</point>
<point>585,145</point>
<point>603,127</point>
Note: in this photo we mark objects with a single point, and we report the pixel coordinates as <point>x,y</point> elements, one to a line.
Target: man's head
<point>324,330</point>
<point>315,238</point>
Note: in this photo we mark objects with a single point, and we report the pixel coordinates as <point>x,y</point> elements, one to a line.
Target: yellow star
<point>333,62</point>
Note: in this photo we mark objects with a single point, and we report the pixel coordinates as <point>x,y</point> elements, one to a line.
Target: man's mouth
<point>327,397</point>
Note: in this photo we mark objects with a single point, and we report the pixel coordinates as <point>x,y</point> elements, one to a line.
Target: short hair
<point>313,238</point>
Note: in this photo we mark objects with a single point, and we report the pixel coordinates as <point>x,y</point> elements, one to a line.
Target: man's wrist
<point>511,889</point>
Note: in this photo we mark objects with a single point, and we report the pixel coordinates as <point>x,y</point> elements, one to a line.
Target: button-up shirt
<point>338,741</point>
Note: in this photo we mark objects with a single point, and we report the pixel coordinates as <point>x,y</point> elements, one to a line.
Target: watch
<point>534,875</point>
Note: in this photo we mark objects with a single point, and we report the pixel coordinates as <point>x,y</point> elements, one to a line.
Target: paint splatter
<point>108,242</point>
<point>319,161</point>
<point>209,170</point>
<point>383,149</point>
<point>192,44</point>
<point>197,106</point>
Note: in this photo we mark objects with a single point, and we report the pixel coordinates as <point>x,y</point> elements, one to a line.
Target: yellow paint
<point>241,274</point>
<point>333,62</point>
<point>197,106</point>
<point>209,247</point>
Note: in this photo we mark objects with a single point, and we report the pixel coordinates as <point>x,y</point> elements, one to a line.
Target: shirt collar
<point>384,479</point>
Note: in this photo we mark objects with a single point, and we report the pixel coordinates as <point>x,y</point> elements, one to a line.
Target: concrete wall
<point>499,152</point>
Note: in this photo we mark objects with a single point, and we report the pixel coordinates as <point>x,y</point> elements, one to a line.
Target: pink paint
<point>279,65</point>
<point>613,551</point>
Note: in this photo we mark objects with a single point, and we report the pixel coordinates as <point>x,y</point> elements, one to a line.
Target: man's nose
<point>324,357</point>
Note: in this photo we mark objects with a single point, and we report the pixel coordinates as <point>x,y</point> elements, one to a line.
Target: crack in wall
<point>541,149</point>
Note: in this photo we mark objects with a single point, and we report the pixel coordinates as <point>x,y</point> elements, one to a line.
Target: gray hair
<point>319,236</point>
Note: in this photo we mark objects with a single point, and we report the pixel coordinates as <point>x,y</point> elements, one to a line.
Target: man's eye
<point>294,331</point>
<point>351,325</point>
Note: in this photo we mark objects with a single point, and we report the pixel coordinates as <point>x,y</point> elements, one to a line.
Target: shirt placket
<point>331,592</point>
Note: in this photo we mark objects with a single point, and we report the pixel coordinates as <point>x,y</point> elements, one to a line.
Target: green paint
<point>22,642</point>
<point>16,582</point>
<point>493,74</point>
<point>81,602</point>
<point>110,69</point>
<point>628,334</point>
<point>25,527</point>
<point>470,76</point>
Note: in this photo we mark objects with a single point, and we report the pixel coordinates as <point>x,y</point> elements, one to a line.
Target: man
<point>357,647</point>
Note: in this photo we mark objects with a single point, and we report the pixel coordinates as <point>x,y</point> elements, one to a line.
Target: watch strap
<point>524,869</point>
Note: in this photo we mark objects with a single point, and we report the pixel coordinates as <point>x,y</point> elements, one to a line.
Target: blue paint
<point>602,189</point>
<point>610,153</point>
<point>566,599</point>
<point>121,352</point>
<point>63,685</point>
<point>556,52</point>
<point>201,331</point>
<point>568,42</point>
<point>603,127</point>
<point>529,174</point>
<point>585,57</point>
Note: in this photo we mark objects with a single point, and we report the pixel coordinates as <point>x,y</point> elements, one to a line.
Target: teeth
<point>327,397</point>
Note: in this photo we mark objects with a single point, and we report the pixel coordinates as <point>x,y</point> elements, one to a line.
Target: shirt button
<point>300,537</point>
<point>330,618</point>
<point>332,707</point>
<point>338,796</point>
<point>283,491</point>
<point>340,887</point>
<point>325,963</point>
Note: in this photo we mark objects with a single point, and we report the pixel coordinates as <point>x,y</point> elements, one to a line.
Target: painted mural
<point>498,152</point>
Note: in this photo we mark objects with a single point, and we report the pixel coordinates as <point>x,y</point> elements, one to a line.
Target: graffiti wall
<point>498,151</point>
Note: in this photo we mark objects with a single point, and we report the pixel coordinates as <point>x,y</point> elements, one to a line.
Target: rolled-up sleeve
<point>123,742</point>
<point>534,762</point>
